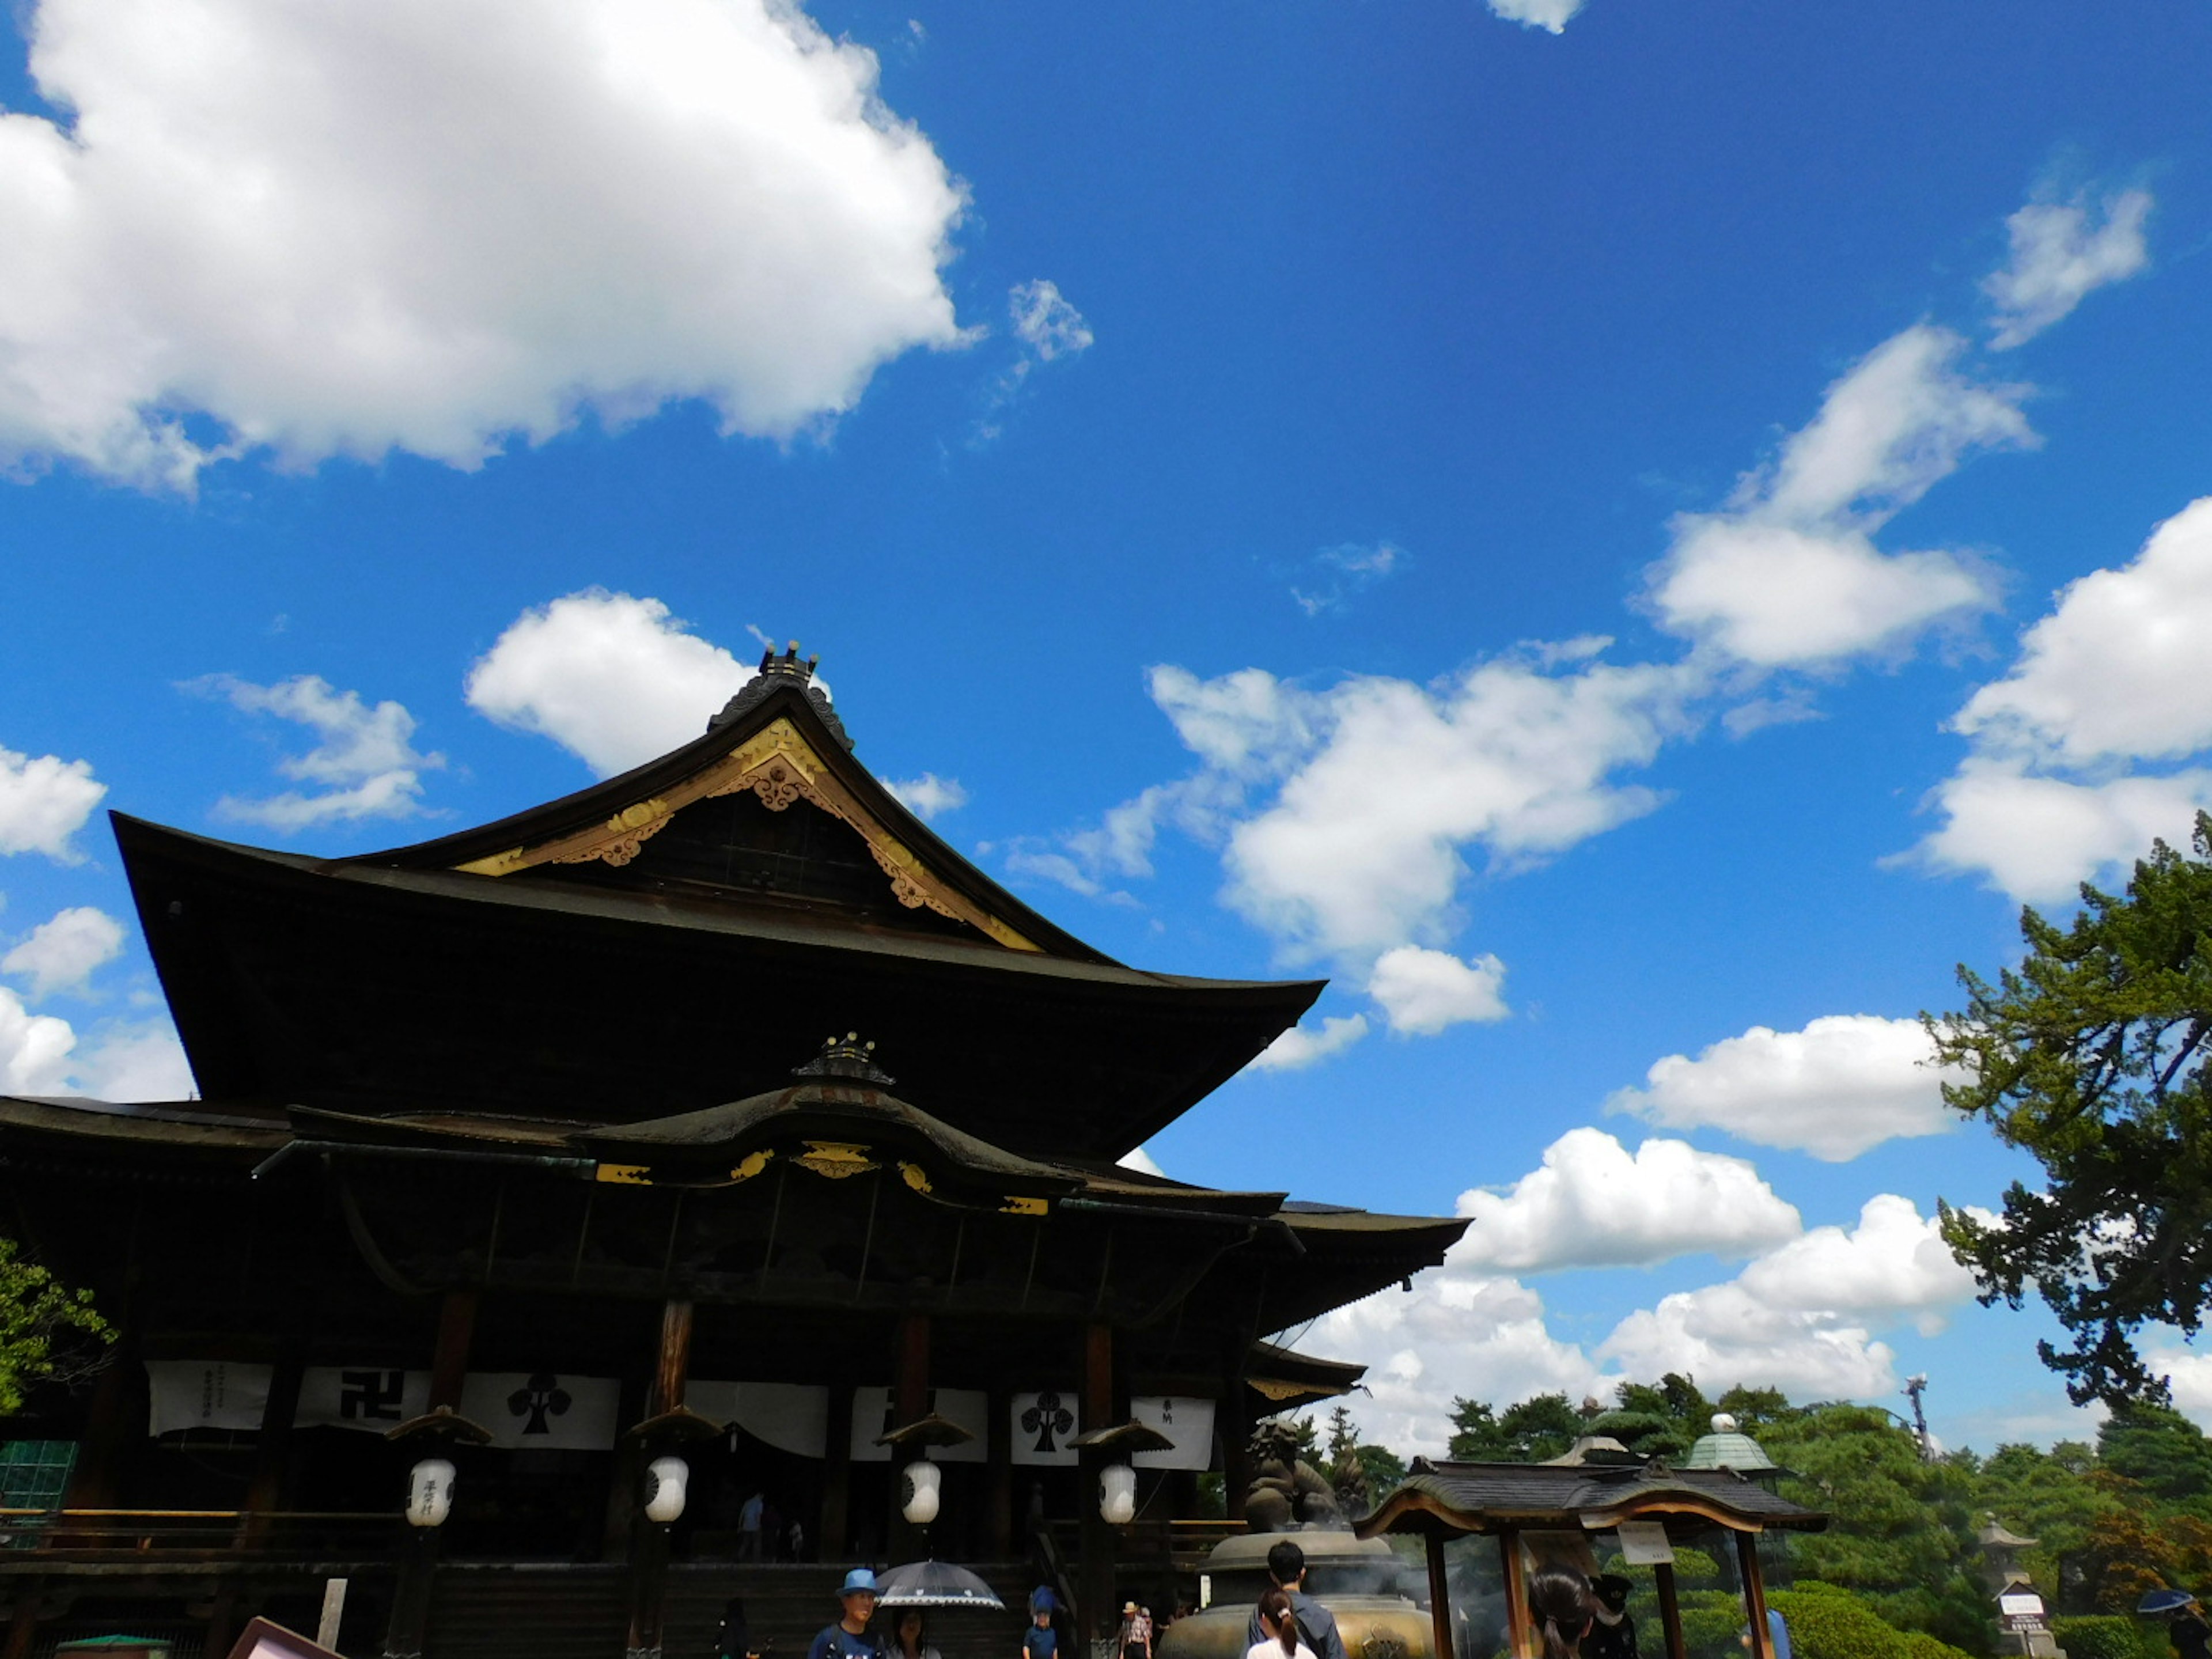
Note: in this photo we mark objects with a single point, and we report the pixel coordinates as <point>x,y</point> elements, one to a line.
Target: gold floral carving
<point>751,1165</point>
<point>835,1158</point>
<point>916,1177</point>
<point>778,765</point>
<point>1025,1206</point>
<point>627,1175</point>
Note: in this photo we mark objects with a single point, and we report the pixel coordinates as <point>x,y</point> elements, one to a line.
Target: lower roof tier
<point>302,982</point>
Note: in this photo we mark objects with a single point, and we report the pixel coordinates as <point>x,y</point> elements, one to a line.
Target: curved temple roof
<point>1462,1497</point>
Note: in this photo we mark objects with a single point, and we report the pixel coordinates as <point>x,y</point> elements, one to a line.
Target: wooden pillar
<point>1095,1579</point>
<point>1670,1610</point>
<point>417,1570</point>
<point>837,1476</point>
<point>1232,1421</point>
<point>110,1429</point>
<point>1755,1594</point>
<point>23,1623</point>
<point>1440,1618</point>
<point>264,1492</point>
<point>648,1539</point>
<point>449,1362</point>
<point>999,1468</point>
<point>909,1400</point>
<point>1520,1642</point>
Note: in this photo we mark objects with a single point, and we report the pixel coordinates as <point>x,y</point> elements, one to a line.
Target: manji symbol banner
<point>546,1409</point>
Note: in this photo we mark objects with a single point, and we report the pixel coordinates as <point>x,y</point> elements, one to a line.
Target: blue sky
<point>1622,534</point>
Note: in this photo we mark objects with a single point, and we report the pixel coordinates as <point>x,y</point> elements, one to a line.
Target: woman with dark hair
<point>1279,1628</point>
<point>909,1637</point>
<point>1561,1606</point>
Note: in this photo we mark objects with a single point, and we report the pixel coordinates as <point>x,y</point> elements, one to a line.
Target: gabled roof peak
<point>777,671</point>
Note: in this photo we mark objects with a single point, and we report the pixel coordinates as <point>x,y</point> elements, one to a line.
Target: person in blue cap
<point>1040,1640</point>
<point>848,1639</point>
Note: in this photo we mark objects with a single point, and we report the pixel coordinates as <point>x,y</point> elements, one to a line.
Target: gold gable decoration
<point>779,766</point>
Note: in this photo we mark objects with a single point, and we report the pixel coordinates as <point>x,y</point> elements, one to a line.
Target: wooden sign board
<point>263,1640</point>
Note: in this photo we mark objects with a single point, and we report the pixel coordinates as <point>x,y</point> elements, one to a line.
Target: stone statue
<point>1288,1492</point>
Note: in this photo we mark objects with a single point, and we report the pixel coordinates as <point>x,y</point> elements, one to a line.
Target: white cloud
<point>44,801</point>
<point>594,205</point>
<point>35,1049</point>
<point>144,1061</point>
<point>1046,328</point>
<point>1385,785</point>
<point>1456,1334</point>
<point>365,767</point>
<point>613,679</point>
<point>1302,1045</point>
<point>1800,1318</point>
<point>2116,669</point>
<point>1422,991</point>
<point>1844,1084</point>
<point>2038,838</point>
<point>1593,1203</point>
<point>928,796</point>
<point>1141,1161</point>
<point>1335,573</point>
<point>1551,15</point>
<point>1788,573</point>
<point>63,950</point>
<point>2048,795</point>
<point>2062,250</point>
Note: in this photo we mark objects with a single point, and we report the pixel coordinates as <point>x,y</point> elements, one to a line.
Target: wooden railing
<point>227,1534</point>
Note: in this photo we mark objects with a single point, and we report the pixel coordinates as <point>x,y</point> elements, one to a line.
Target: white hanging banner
<point>206,1394</point>
<point>1187,1422</point>
<point>970,1407</point>
<point>1043,1425</point>
<point>792,1417</point>
<point>368,1397</point>
<point>549,1410</point>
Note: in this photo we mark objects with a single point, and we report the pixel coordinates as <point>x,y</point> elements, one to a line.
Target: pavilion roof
<point>1462,1497</point>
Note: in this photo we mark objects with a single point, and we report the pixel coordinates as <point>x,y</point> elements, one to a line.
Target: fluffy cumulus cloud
<point>1801,1318</point>
<point>1844,1085</point>
<point>40,1055</point>
<point>2061,252</point>
<point>365,765</point>
<point>1386,786</point>
<point>62,952</point>
<point>45,801</point>
<point>1593,1203</point>
<point>597,206</point>
<point>615,680</point>
<point>1788,572</point>
<point>1421,991</point>
<point>1305,1045</point>
<point>2079,755</point>
<point>1805,1315</point>
<point>928,796</point>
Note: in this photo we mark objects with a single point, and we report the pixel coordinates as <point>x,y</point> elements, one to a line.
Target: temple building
<point>628,1194</point>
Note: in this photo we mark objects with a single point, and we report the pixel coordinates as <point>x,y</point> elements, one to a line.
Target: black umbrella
<point>935,1585</point>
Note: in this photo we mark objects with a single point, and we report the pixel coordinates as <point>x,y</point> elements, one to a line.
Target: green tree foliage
<point>1903,1532</point>
<point>1542,1426</point>
<point>1828,1622</point>
<point>2160,1450</point>
<point>47,1330</point>
<point>2091,1055</point>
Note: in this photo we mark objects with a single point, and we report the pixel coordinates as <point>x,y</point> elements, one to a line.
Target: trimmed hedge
<point>1828,1622</point>
<point>2108,1636</point>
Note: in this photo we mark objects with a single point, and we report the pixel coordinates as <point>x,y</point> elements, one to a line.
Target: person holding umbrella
<point>2185,1628</point>
<point>911,1636</point>
<point>848,1637</point>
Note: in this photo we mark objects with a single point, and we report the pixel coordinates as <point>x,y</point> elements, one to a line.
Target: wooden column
<point>23,1623</point>
<point>909,1401</point>
<point>648,1539</point>
<point>1755,1594</point>
<point>1233,1423</point>
<point>1095,1578</point>
<point>271,1454</point>
<point>1440,1617</point>
<point>1519,1639</point>
<point>417,1566</point>
<point>1670,1610</point>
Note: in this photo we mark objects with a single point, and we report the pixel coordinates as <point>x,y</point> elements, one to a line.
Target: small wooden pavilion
<point>1516,1503</point>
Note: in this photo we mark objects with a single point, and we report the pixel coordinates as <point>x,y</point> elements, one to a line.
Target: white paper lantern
<point>1117,1494</point>
<point>429,1492</point>
<point>665,1480</point>
<point>921,1494</point>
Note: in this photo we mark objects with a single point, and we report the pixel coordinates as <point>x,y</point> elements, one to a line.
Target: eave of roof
<point>1483,1497</point>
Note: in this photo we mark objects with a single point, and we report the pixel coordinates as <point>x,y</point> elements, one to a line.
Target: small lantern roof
<point>1727,1448</point>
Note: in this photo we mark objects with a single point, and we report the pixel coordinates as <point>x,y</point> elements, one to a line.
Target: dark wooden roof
<point>661,942</point>
<point>1462,1497</point>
